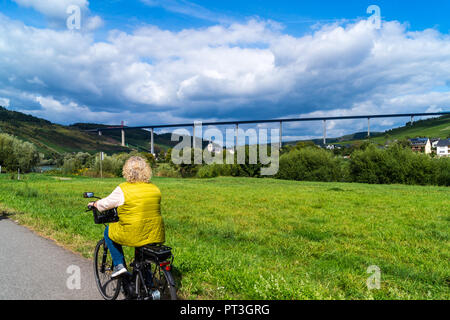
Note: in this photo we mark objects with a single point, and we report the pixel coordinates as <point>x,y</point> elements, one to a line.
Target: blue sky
<point>152,61</point>
<point>297,16</point>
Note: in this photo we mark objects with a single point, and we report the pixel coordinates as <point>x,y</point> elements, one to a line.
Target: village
<point>437,146</point>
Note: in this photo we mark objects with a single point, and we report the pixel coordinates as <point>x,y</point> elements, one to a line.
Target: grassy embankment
<point>269,239</point>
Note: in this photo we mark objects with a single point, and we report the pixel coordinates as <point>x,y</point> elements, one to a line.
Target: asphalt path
<point>35,268</point>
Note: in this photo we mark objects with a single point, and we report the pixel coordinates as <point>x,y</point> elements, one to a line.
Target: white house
<point>442,148</point>
<point>333,146</point>
<point>212,147</point>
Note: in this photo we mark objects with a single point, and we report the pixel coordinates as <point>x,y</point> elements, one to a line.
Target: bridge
<point>236,123</point>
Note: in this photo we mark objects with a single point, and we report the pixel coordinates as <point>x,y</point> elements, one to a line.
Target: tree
<point>16,154</point>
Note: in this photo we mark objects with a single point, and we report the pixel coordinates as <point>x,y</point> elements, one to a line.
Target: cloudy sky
<point>169,61</point>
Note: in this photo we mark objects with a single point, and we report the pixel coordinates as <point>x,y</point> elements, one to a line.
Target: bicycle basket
<point>157,252</point>
<point>108,216</point>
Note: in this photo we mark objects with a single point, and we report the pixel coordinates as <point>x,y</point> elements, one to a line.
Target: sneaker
<point>118,270</point>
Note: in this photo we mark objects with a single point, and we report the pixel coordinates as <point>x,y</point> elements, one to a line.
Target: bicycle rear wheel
<point>103,266</point>
<point>163,282</point>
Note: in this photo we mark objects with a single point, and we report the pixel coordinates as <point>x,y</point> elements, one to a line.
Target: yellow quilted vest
<point>140,220</point>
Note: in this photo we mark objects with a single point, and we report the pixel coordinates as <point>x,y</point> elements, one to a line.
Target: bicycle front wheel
<point>103,267</point>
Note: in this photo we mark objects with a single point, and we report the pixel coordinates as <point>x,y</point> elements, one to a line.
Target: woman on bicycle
<point>138,205</point>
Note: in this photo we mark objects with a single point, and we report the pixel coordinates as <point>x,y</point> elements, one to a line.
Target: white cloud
<point>61,110</point>
<point>187,8</point>
<point>244,70</point>
<point>94,23</point>
<point>57,11</point>
<point>53,8</point>
<point>4,102</point>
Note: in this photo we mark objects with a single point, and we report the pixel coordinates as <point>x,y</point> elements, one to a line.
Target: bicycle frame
<point>138,267</point>
<point>133,284</point>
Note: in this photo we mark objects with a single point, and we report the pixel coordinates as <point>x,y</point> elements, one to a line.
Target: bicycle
<point>150,277</point>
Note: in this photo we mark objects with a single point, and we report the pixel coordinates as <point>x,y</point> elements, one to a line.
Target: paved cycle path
<point>35,268</point>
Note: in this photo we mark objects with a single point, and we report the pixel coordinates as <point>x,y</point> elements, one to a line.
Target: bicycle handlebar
<point>90,195</point>
<point>107,216</point>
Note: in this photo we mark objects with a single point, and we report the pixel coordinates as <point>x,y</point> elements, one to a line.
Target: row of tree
<point>90,164</point>
<point>367,163</point>
<point>370,164</point>
<point>304,161</point>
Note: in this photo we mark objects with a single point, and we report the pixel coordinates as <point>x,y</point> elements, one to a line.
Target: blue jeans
<point>115,249</point>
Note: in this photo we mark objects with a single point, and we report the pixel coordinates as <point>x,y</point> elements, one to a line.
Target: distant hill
<point>349,137</point>
<point>51,139</point>
<point>337,140</point>
<point>431,128</point>
<point>134,138</point>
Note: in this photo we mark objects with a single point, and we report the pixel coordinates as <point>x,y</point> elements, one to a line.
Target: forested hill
<point>51,139</point>
<point>135,138</point>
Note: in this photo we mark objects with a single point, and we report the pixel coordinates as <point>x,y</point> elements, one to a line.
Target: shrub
<point>86,164</point>
<point>110,165</point>
<point>397,164</point>
<point>311,164</point>
<point>245,168</point>
<point>442,176</point>
<point>166,170</point>
<point>215,170</point>
<point>185,170</point>
<point>149,157</point>
<point>369,166</point>
<point>73,163</point>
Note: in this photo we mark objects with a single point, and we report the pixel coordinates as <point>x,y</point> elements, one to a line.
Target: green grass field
<point>242,238</point>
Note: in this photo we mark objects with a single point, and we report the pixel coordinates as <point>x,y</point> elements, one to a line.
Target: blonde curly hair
<point>137,169</point>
